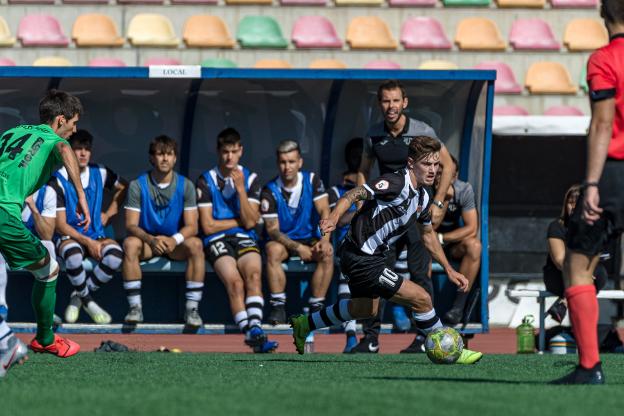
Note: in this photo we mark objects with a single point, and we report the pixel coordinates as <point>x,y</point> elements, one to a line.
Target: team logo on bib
<point>382,185</point>
<point>265,205</point>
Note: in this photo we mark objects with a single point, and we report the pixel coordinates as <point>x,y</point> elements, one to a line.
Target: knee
<point>235,286</point>
<point>274,252</point>
<point>253,278</point>
<point>72,255</point>
<point>473,248</point>
<point>112,256</point>
<point>195,247</point>
<point>132,247</point>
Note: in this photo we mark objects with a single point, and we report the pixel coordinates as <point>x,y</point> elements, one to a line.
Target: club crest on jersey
<point>265,205</point>
<point>382,185</point>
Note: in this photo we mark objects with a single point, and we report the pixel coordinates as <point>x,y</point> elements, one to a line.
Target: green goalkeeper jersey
<point>28,157</point>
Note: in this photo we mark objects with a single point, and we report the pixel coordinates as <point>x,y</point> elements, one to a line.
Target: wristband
<point>438,204</point>
<point>441,238</point>
<point>586,185</point>
<point>179,238</point>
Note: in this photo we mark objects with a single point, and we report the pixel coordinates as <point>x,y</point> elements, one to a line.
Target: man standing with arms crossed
<point>28,156</point>
<point>599,211</point>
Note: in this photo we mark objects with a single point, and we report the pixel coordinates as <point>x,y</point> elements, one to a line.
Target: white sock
<point>3,281</point>
<point>133,292</point>
<point>241,320</point>
<point>5,333</point>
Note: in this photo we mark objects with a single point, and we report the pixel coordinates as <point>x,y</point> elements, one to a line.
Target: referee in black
<point>387,143</point>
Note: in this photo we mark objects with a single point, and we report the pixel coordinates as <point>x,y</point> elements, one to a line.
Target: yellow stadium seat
<point>521,3</point>
<point>147,29</point>
<point>359,2</point>
<point>327,64</point>
<point>585,35</point>
<point>51,61</point>
<point>437,64</point>
<point>273,64</point>
<point>370,32</point>
<point>479,33</point>
<point>95,29</point>
<point>549,78</point>
<point>205,31</point>
<point>5,34</point>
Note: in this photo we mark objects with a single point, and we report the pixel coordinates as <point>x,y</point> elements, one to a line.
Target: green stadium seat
<point>218,63</point>
<point>466,3</point>
<point>260,32</point>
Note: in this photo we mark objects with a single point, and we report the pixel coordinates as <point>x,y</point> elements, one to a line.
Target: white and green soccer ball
<point>444,345</point>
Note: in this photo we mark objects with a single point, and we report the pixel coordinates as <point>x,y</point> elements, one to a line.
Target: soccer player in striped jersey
<point>229,208</point>
<point>393,202</point>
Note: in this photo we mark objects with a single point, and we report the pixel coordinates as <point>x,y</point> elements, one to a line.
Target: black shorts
<point>591,239</point>
<point>306,242</point>
<point>553,279</point>
<point>418,258</point>
<point>230,245</point>
<point>368,276</point>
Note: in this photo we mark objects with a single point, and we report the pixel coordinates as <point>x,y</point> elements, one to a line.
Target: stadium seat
<point>31,1</point>
<point>303,2</point>
<point>91,2</point>
<point>583,79</point>
<point>5,34</point>
<point>161,61</point>
<point>412,3</point>
<point>585,35</point>
<point>194,2</point>
<point>382,64</point>
<point>51,61</point>
<point>466,3</point>
<point>505,80</point>
<point>260,32</point>
<point>218,63</point>
<point>108,62</point>
<point>563,110</point>
<point>370,32</point>
<point>206,31</point>
<point>573,3</point>
<point>327,64</point>
<point>95,29</point>
<point>265,2</point>
<point>479,33</point>
<point>423,33</point>
<point>7,62</point>
<point>358,2</point>
<point>41,30</point>
<point>147,29</point>
<point>154,2</point>
<point>437,64</point>
<point>272,64</point>
<point>521,3</point>
<point>315,32</point>
<point>532,34</point>
<point>549,78</point>
<point>510,110</point>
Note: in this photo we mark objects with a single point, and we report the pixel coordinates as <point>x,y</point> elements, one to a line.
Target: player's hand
<point>238,178</point>
<point>327,225</point>
<point>437,214</point>
<point>31,204</point>
<point>104,218</point>
<point>591,202</point>
<point>82,209</point>
<point>305,252</point>
<point>459,279</point>
<point>94,247</point>
<point>322,249</point>
<point>170,242</point>
<point>158,245</point>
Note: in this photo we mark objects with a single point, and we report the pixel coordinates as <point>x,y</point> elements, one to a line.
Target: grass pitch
<point>282,384</point>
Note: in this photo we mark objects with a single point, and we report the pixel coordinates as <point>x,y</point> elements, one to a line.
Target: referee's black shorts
<point>590,239</point>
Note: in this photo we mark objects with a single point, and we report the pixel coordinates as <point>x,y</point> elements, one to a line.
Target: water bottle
<point>525,336</point>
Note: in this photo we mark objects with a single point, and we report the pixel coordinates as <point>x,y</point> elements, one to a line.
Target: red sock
<point>583,307</point>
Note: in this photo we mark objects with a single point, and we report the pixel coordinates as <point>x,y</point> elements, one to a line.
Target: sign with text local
<point>175,71</point>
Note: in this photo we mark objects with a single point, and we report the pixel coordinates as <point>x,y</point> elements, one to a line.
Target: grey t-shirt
<point>463,200</point>
<point>161,194</point>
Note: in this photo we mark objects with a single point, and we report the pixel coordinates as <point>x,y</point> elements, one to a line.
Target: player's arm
<point>93,247</point>
<point>273,230</point>
<point>322,207</point>
<point>471,223</point>
<point>352,196</point>
<point>73,172</point>
<point>556,251</point>
<point>430,240</point>
<point>249,211</point>
<point>211,226</point>
<point>133,229</point>
<point>43,225</point>
<point>119,195</point>
<point>437,214</point>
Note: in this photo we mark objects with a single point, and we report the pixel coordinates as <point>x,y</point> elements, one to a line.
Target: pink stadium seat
<point>563,110</point>
<point>573,3</point>
<point>140,1</point>
<point>161,61</point>
<point>423,33</point>
<point>111,62</point>
<point>31,1</point>
<point>412,3</point>
<point>6,62</point>
<point>85,1</point>
<point>41,30</point>
<point>303,2</point>
<point>382,64</point>
<point>510,110</point>
<point>315,32</point>
<point>505,80</point>
<point>532,34</point>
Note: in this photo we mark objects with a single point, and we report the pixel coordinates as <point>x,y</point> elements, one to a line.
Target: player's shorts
<point>368,276</point>
<point>230,245</point>
<point>418,258</point>
<point>19,246</point>
<point>590,239</point>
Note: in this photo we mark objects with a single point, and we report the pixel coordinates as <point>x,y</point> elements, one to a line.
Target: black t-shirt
<point>558,231</point>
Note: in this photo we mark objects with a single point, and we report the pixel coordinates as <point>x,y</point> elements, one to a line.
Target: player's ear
<point>410,163</point>
<point>405,102</point>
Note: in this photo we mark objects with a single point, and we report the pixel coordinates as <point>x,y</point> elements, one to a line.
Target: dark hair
<point>612,11</point>
<point>228,136</point>
<point>574,191</point>
<point>163,143</point>
<point>81,139</point>
<point>391,84</point>
<point>422,146</point>
<point>455,162</point>
<point>58,103</point>
<point>353,154</point>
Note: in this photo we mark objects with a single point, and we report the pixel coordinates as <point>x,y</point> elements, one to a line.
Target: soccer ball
<point>444,345</point>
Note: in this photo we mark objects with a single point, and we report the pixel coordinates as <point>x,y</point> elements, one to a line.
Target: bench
<point>541,296</point>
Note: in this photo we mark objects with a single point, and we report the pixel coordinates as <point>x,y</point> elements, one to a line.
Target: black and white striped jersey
<point>392,206</point>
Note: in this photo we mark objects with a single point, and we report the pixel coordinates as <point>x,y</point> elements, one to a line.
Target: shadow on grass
<point>308,361</point>
<point>470,380</point>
